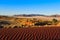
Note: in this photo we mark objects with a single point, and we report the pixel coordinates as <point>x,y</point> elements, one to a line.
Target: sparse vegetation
<point>11,22</point>
<point>4,23</point>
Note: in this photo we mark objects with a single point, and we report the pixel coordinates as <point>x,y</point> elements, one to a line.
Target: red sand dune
<point>42,33</point>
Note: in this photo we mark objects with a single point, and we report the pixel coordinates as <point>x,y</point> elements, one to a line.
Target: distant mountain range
<point>37,15</point>
<point>30,15</point>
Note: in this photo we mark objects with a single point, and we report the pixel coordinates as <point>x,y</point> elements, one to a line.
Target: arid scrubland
<point>19,22</point>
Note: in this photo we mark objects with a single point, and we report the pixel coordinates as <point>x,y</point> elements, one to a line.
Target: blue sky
<point>46,7</point>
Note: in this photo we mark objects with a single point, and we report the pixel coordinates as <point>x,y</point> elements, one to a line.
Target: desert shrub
<point>10,27</point>
<point>15,27</point>
<point>4,22</point>
<point>49,22</point>
<point>43,23</point>
<point>1,26</point>
<point>54,20</point>
<point>40,23</point>
<point>22,25</point>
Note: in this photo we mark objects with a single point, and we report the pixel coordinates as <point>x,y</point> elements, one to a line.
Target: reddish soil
<point>42,33</point>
